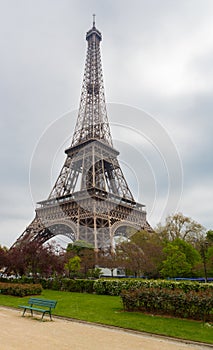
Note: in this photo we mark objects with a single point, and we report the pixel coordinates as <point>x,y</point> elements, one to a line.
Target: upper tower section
<point>94,32</point>
<point>92,122</point>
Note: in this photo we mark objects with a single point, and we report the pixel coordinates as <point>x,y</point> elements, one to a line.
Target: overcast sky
<point>158,73</point>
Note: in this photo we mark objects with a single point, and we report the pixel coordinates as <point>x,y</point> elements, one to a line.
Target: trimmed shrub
<point>65,284</point>
<point>21,290</point>
<point>174,302</point>
<point>115,286</point>
<point>52,283</point>
<point>78,285</point>
<point>69,285</point>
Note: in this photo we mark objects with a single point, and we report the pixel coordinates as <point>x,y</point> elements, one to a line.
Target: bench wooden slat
<point>47,304</point>
<point>33,308</point>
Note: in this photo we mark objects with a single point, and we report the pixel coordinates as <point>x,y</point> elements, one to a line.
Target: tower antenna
<point>93,20</point>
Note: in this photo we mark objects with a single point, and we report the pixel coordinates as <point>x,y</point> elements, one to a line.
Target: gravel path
<point>29,333</point>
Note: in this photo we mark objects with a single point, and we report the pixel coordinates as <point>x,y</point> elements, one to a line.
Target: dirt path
<point>29,333</point>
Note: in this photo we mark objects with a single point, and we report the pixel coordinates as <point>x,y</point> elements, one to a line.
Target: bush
<point>78,285</point>
<point>52,283</point>
<point>115,286</point>
<point>69,285</point>
<point>57,283</point>
<point>19,289</point>
<point>197,305</point>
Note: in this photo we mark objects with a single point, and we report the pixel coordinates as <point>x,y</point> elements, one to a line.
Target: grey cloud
<point>41,65</point>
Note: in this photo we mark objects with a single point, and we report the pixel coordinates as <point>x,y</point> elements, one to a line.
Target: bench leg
<point>45,313</point>
<point>23,312</point>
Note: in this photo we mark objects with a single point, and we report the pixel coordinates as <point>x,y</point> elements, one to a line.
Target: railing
<point>93,193</point>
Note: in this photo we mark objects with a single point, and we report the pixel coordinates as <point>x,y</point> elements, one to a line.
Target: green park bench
<point>46,306</point>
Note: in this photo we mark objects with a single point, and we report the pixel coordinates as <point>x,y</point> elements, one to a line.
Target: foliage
<point>88,266</point>
<point>209,258</point>
<point>51,283</point>
<point>85,252</point>
<point>3,256</point>
<point>180,226</point>
<point>108,259</point>
<point>209,236</point>
<point>78,285</point>
<point>68,285</point>
<point>191,254</point>
<point>78,246</point>
<point>203,245</point>
<point>35,259</point>
<point>73,266</point>
<point>94,273</point>
<point>115,286</point>
<point>57,283</point>
<point>132,258</point>
<point>175,264</point>
<point>19,289</point>
<point>141,255</point>
<point>177,303</point>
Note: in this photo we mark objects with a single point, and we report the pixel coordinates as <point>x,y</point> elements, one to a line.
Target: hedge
<point>69,285</point>
<point>57,283</point>
<point>115,286</point>
<point>196,305</point>
<point>19,289</point>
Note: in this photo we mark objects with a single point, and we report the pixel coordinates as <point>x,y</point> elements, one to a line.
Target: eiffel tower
<point>90,200</point>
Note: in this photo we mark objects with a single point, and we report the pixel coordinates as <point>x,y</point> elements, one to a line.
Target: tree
<point>51,260</point>
<point>108,259</point>
<point>152,248</point>
<point>175,264</point>
<point>73,266</point>
<point>34,259</point>
<point>85,251</point>
<point>131,258</point>
<point>202,246</point>
<point>192,255</point>
<point>209,261</point>
<point>180,226</point>
<point>88,261</point>
<point>209,237</point>
<point>78,246</point>
<point>16,260</point>
<point>3,257</point>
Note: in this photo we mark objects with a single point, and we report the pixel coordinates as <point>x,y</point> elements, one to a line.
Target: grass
<point>108,310</point>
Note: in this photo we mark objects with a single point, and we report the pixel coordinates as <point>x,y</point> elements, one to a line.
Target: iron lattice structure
<point>90,200</point>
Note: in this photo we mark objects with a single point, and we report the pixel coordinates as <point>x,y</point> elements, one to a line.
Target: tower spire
<point>92,122</point>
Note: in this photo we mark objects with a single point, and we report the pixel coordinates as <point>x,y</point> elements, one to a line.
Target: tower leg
<point>95,230</point>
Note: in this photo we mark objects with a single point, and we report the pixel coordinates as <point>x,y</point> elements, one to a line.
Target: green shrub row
<point>115,286</point>
<point>57,283</point>
<point>194,305</point>
<point>19,289</point>
<point>69,285</point>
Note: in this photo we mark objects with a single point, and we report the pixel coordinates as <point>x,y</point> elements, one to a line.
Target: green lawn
<point>108,310</point>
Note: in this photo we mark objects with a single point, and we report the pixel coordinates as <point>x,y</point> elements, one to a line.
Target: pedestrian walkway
<point>32,334</point>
